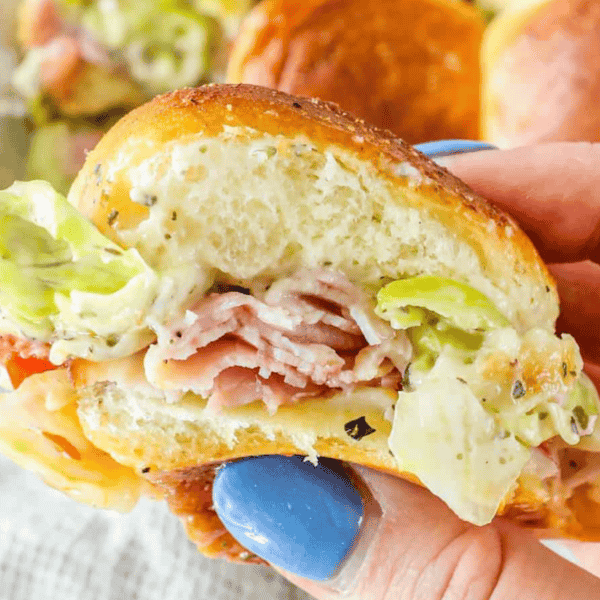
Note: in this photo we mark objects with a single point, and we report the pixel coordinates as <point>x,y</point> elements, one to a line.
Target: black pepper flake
<point>145,469</point>
<point>297,105</point>
<point>174,216</point>
<point>565,369</point>
<point>178,334</point>
<point>461,380</point>
<point>572,464</point>
<point>358,429</point>
<point>167,236</point>
<point>149,199</point>
<point>548,289</point>
<point>518,390</point>
<point>542,416</point>
<point>405,383</point>
<point>112,217</point>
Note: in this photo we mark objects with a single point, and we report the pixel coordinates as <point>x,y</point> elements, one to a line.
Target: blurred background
<point>511,72</point>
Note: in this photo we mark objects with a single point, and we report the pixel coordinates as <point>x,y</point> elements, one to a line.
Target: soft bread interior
<point>257,206</point>
<point>149,434</point>
<point>250,188</point>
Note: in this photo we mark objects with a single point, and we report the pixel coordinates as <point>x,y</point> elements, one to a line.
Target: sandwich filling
<point>307,334</point>
<point>473,395</point>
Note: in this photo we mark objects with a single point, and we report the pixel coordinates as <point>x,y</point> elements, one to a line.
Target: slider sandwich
<point>241,272</point>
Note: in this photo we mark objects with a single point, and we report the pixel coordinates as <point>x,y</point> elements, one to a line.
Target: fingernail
<point>301,518</point>
<point>444,148</point>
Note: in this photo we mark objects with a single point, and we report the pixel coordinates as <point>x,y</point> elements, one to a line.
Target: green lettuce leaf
<point>402,302</point>
<point>61,278</point>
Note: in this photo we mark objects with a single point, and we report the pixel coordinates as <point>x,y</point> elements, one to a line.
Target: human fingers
<point>335,539</point>
<point>552,190</point>
<point>578,286</point>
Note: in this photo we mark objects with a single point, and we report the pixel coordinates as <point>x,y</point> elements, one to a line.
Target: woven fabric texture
<point>52,548</point>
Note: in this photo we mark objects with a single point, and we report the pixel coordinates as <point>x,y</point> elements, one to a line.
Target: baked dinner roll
<point>265,274</point>
<point>410,66</point>
<point>540,76</point>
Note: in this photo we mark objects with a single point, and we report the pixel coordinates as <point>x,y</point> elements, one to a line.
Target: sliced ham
<point>308,334</point>
<point>333,288</point>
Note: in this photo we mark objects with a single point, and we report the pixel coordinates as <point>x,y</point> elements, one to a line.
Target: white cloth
<point>52,548</point>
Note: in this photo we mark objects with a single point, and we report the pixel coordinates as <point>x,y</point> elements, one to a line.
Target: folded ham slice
<point>307,334</point>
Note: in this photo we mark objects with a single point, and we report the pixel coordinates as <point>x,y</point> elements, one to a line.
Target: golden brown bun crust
<point>188,493</point>
<point>505,252</point>
<point>541,83</point>
<point>581,520</point>
<point>411,67</point>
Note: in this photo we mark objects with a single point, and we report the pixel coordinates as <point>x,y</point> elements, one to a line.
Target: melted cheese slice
<point>40,431</point>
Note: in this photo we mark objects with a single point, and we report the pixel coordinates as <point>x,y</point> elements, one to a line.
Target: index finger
<point>552,190</point>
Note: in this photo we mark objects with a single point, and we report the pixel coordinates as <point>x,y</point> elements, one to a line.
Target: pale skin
<point>422,551</point>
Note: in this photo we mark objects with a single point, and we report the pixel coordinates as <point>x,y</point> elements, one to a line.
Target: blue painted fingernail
<point>449,147</point>
<point>296,516</point>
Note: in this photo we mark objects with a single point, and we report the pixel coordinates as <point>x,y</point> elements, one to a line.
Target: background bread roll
<point>410,66</point>
<point>541,74</point>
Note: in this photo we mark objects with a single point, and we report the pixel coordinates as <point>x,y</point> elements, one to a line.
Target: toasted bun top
<point>410,66</point>
<point>540,74</point>
<point>249,183</point>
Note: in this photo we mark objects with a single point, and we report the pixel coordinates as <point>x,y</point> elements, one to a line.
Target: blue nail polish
<point>296,516</point>
<point>449,147</point>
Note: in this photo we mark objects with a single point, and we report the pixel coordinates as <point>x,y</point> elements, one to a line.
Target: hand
<point>321,527</point>
<point>553,191</point>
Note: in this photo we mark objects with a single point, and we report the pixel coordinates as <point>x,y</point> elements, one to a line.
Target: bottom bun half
<point>107,444</point>
<point>178,447</point>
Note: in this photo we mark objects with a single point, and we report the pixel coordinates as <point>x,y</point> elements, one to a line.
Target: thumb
<point>373,536</point>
